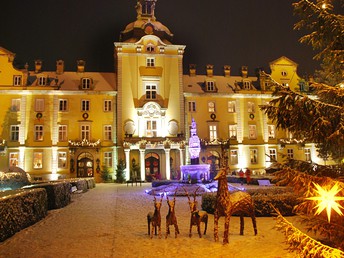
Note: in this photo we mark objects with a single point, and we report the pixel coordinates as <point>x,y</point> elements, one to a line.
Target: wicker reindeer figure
<point>171,218</point>
<point>228,203</point>
<point>197,216</point>
<point>155,218</point>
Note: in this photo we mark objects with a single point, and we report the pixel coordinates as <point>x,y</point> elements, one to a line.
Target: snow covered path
<point>110,221</point>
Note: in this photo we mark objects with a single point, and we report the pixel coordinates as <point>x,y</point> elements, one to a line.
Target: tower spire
<point>145,9</point>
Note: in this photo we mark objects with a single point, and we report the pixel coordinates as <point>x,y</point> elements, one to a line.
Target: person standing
<point>241,176</point>
<point>248,176</point>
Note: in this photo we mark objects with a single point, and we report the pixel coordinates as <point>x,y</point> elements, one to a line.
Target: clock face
<point>211,104</point>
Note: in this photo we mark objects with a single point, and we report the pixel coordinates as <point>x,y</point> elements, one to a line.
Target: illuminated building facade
<point>72,123</point>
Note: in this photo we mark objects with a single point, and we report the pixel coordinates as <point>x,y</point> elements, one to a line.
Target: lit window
<point>252,132</point>
<point>211,107</point>
<point>39,105</point>
<point>150,61</point>
<point>308,156</point>
<point>107,132</point>
<point>41,81</point>
<point>13,159</point>
<point>290,153</point>
<point>86,83</point>
<point>14,131</point>
<point>271,131</point>
<point>151,128</point>
<point>107,105</point>
<point>250,107</point>
<point>232,131</point>
<point>15,105</point>
<point>254,156</point>
<point>212,132</point>
<point>151,90</point>
<point>210,86</point>
<point>37,160</point>
<point>108,159</point>
<point>234,157</point>
<point>85,132</point>
<point>231,106</point>
<point>17,80</point>
<point>63,105</point>
<point>192,106</point>
<point>272,155</point>
<point>62,133</point>
<point>85,105</point>
<point>62,159</point>
<point>38,132</point>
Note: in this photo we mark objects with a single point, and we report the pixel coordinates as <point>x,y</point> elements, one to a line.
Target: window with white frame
<point>108,159</point>
<point>86,83</point>
<point>13,159</point>
<point>212,132</point>
<point>308,156</point>
<point>85,105</point>
<point>192,106</point>
<point>38,132</point>
<point>38,160</point>
<point>254,156</point>
<point>150,48</point>
<point>107,105</point>
<point>85,132</point>
<point>17,80</point>
<point>272,155</point>
<point>150,61</point>
<point>231,106</point>
<point>107,132</point>
<point>14,133</point>
<point>63,105</point>
<point>151,91</point>
<point>41,81</point>
<point>251,107</point>
<point>290,153</point>
<point>211,106</point>
<point>63,133</point>
<point>151,128</point>
<point>15,105</point>
<point>39,105</point>
<point>234,157</point>
<point>210,86</point>
<point>252,132</point>
<point>232,131</point>
<point>247,85</point>
<point>62,159</point>
<point>271,132</point>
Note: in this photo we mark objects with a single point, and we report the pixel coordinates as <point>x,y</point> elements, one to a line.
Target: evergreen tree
<point>120,177</point>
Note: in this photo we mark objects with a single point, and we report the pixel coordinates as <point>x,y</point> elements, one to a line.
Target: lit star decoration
<point>327,200</point>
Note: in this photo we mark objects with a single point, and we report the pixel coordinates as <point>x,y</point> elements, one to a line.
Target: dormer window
<point>210,86</point>
<point>284,73</point>
<point>17,80</point>
<point>41,81</point>
<point>247,85</point>
<point>150,61</point>
<point>86,83</point>
<point>150,48</point>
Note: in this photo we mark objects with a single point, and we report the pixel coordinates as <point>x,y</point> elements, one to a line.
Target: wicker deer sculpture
<point>154,218</point>
<point>227,204</point>
<point>171,218</point>
<point>197,216</point>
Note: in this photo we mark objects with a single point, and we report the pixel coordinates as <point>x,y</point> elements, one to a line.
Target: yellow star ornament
<point>327,200</point>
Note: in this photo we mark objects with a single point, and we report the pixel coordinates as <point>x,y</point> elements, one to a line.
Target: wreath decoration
<point>39,115</point>
<point>213,116</point>
<point>251,116</point>
<point>84,116</point>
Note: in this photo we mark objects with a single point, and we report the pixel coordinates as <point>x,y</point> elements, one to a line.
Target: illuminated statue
<point>194,144</point>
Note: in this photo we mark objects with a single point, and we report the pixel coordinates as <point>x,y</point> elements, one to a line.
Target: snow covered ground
<point>110,221</point>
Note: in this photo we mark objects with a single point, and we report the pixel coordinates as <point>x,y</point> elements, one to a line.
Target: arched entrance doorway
<point>85,165</point>
<point>152,166</point>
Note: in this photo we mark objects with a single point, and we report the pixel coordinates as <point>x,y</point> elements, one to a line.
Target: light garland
<point>84,142</point>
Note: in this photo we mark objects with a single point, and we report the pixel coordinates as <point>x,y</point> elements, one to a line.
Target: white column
<point>181,155</point>
<point>127,164</point>
<point>168,168</point>
<point>142,163</point>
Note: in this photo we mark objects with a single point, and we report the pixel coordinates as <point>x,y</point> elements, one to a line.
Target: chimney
<point>80,66</point>
<point>192,69</point>
<point>38,66</point>
<point>59,66</point>
<point>227,70</point>
<point>210,70</point>
<point>244,71</point>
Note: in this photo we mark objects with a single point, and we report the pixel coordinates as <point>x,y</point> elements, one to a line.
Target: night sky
<point>221,32</point>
